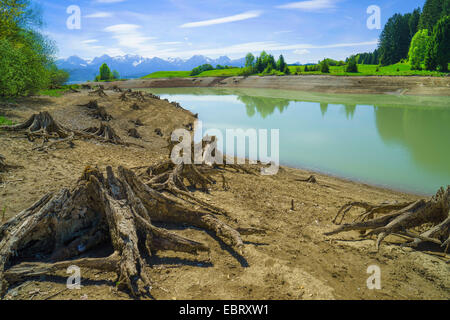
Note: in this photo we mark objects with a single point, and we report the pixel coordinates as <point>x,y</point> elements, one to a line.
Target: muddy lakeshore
<point>292,260</point>
<point>397,85</point>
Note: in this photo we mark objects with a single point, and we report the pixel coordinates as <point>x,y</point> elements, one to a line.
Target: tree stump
<point>118,209</point>
<point>401,219</point>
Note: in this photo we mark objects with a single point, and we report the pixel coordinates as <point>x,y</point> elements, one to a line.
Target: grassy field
<point>5,122</point>
<point>58,92</point>
<point>400,69</point>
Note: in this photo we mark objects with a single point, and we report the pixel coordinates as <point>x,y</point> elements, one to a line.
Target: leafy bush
<point>418,49</point>
<point>352,66</point>
<point>22,70</point>
<point>324,67</point>
<point>200,69</point>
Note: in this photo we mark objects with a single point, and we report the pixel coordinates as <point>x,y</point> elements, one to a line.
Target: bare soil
<point>397,85</point>
<point>293,260</point>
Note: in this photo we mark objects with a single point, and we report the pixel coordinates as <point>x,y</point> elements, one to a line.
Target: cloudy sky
<point>304,31</point>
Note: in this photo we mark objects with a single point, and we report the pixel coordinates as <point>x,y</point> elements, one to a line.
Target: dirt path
<point>293,260</point>
<point>437,86</point>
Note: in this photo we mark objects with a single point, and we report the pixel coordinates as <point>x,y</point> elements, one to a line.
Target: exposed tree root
<point>137,122</point>
<point>152,96</point>
<point>129,94</point>
<point>134,133</point>
<point>115,88</point>
<point>101,114</point>
<point>106,133</point>
<point>118,209</point>
<point>99,92</point>
<point>135,106</point>
<point>124,97</point>
<point>92,104</point>
<point>3,165</point>
<point>401,218</point>
<point>43,126</point>
<point>159,132</point>
<point>311,179</point>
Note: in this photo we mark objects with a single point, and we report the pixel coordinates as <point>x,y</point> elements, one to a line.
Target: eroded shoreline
<point>393,85</point>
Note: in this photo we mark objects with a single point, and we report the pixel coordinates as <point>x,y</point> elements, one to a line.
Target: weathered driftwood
<point>119,209</point>
<point>402,218</point>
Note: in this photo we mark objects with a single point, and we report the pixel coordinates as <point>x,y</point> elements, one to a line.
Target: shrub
<point>352,67</point>
<point>324,67</point>
<point>22,70</point>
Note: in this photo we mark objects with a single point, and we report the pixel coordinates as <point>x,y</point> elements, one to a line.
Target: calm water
<point>392,141</point>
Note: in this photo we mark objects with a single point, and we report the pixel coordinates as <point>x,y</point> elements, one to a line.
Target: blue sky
<point>304,31</point>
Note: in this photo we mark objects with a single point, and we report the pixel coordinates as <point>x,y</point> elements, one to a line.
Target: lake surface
<point>398,142</point>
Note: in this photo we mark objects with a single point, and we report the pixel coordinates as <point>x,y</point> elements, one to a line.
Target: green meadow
<point>399,69</point>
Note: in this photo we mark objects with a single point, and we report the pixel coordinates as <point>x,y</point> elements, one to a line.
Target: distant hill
<point>133,66</point>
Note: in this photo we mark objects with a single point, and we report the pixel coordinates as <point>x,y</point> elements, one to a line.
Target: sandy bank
<point>314,83</point>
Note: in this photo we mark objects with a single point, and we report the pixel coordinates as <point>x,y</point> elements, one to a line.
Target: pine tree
<point>438,50</point>
<point>433,10</point>
<point>281,64</point>
<point>395,40</point>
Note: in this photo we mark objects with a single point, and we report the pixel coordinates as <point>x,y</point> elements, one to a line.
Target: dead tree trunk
<point>118,209</point>
<point>399,219</point>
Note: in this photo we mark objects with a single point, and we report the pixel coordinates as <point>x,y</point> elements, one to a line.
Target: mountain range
<point>134,66</point>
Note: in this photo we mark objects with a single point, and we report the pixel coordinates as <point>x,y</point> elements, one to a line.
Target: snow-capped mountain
<point>134,66</point>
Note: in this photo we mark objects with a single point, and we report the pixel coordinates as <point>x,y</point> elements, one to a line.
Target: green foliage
<point>205,67</point>
<point>22,70</point>
<point>395,39</point>
<point>367,57</point>
<point>413,22</point>
<point>418,49</point>
<point>5,122</point>
<point>115,75</point>
<point>26,64</point>
<point>249,60</point>
<point>105,73</point>
<point>57,76</point>
<point>433,10</point>
<point>352,66</point>
<point>438,50</point>
<point>324,67</point>
<point>281,64</point>
<point>58,92</point>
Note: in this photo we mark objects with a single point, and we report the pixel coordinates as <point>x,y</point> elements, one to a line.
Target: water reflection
<point>425,133</point>
<point>264,106</point>
<point>397,141</point>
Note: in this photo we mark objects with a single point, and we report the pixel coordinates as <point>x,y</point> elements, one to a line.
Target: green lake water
<point>398,142</point>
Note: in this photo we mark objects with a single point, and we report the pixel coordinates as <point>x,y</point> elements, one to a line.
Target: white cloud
<point>110,1</point>
<point>89,41</point>
<point>238,17</point>
<point>310,5</point>
<point>243,48</point>
<point>301,51</point>
<point>128,35</point>
<point>99,15</point>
